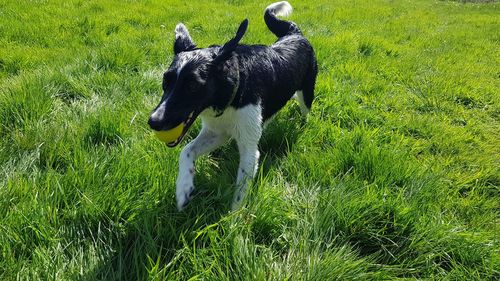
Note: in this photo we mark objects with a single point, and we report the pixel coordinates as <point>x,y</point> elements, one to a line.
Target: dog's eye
<point>192,83</point>
<point>168,79</point>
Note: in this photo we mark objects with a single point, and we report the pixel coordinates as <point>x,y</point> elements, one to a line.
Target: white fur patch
<point>282,9</point>
<point>160,111</point>
<point>245,126</point>
<point>181,30</point>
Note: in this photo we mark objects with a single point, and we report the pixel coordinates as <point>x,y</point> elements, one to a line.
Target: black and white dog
<point>235,89</point>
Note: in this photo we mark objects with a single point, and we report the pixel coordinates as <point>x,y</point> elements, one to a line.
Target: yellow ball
<point>170,135</point>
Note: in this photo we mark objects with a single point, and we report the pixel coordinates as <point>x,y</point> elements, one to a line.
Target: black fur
<point>236,75</point>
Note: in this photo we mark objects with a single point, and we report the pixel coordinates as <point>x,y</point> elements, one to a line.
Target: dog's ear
<point>227,80</point>
<point>183,41</point>
<point>226,71</point>
<point>226,50</point>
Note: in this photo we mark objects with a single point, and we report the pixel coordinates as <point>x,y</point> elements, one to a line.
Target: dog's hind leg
<point>306,96</point>
<point>205,142</point>
<point>248,136</point>
<point>299,97</point>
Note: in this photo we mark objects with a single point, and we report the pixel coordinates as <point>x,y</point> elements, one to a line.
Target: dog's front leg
<point>249,159</point>
<point>205,142</point>
<point>250,131</point>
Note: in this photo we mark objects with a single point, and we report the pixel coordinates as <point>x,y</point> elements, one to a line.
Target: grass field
<point>394,175</point>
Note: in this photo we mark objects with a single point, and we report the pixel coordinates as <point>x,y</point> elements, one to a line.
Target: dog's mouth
<point>187,124</point>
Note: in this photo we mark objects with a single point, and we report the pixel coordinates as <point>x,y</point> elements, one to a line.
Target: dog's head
<point>197,79</point>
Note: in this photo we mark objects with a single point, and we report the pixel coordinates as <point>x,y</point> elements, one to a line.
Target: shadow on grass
<point>280,137</point>
<point>158,232</point>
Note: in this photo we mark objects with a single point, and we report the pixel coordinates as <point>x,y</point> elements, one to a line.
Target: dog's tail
<point>280,27</point>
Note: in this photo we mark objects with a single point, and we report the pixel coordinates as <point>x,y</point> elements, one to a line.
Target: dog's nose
<point>155,123</point>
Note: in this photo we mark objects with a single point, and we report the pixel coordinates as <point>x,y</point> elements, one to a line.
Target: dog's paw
<point>184,191</point>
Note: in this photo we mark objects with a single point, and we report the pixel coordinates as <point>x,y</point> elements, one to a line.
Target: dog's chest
<point>234,122</point>
<point>225,123</point>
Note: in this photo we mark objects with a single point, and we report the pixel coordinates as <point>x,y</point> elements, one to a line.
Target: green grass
<point>395,174</point>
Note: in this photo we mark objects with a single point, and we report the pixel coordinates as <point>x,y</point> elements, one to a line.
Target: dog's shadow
<point>159,230</point>
<point>280,137</point>
<point>150,239</point>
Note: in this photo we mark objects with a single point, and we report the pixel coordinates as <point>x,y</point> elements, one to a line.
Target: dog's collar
<point>233,96</point>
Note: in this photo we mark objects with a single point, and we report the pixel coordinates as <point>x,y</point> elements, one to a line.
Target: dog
<point>235,89</point>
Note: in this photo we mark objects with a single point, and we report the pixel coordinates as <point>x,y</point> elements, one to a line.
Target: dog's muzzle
<point>171,135</point>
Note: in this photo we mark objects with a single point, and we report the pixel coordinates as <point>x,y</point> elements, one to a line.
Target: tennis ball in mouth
<point>170,135</point>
